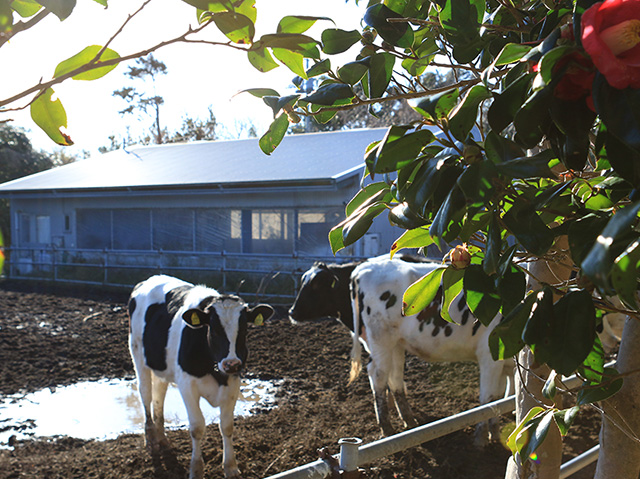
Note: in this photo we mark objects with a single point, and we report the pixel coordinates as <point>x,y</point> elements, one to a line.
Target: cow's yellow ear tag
<point>195,319</point>
<point>259,321</point>
<point>333,284</point>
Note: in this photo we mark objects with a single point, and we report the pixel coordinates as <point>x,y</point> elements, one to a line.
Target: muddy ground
<point>51,337</point>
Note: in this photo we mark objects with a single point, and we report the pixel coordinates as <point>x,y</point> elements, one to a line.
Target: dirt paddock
<point>57,336</point>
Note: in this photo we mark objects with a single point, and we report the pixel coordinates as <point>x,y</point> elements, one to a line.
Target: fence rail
<point>413,437</point>
<point>258,277</point>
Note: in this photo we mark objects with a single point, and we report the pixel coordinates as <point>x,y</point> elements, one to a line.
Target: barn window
<point>217,230</point>
<point>270,231</point>
<point>93,228</point>
<point>131,229</point>
<point>313,230</point>
<point>173,229</point>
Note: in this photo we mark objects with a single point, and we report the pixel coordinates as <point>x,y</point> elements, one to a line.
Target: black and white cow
<point>377,289</point>
<point>194,337</point>
<point>324,290</point>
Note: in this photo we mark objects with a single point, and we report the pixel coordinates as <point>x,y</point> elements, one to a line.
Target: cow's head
<point>224,323</point>
<point>317,295</point>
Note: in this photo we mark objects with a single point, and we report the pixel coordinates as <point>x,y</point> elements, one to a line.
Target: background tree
<point>17,159</point>
<point>144,69</point>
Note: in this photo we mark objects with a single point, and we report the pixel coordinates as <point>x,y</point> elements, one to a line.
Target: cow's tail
<point>356,348</point>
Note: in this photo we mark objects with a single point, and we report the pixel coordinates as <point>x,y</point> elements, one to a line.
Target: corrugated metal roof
<point>304,157</point>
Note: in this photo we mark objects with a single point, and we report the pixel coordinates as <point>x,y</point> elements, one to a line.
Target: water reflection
<point>105,409</point>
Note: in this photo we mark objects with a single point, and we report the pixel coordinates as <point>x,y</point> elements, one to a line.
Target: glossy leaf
<point>446,224</point>
<point>597,263</point>
<point>294,61</point>
<point>534,434</point>
<point>505,340</point>
<point>374,192</point>
<point>261,59</point>
<point>624,275</point>
<point>358,224</point>
<point>60,8</point>
<point>274,135</point>
<point>481,294</point>
<point>512,440</point>
<point>260,92</point>
<point>294,42</point>
<point>525,224</point>
<point>329,94</point>
<point>319,68</point>
<point>412,238</point>
<point>398,149</point>
<point>236,27</point>
<point>421,293</point>
<point>611,385</point>
<point>211,5</point>
<point>6,17</point>
<point>353,72</point>
<point>463,117</point>
<point>494,246</point>
<point>582,235</point>
<point>536,166</point>
<point>336,41</point>
<point>564,419</point>
<point>298,23</point>
<point>50,116</point>
<point>83,58</point>
<point>477,183</point>
<point>399,34</point>
<point>618,109</point>
<point>436,106</point>
<point>500,149</point>
<point>452,281</point>
<point>28,8</point>
<point>507,103</point>
<point>510,53</point>
<point>380,72</point>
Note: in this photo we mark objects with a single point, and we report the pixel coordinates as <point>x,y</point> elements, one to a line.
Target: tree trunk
<point>528,393</point>
<point>529,385</point>
<point>619,443</point>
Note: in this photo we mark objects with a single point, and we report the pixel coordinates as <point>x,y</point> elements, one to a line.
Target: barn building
<point>191,205</point>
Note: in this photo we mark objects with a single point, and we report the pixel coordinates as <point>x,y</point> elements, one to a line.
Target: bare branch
<point>22,26</point>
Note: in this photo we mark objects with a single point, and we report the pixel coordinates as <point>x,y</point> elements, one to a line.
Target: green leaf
<point>413,238</point>
<point>335,239</point>
<point>536,166</point>
<point>549,389</point>
<point>60,8</point>
<point>512,441</point>
<point>564,419</point>
<point>435,107</point>
<point>619,110</point>
<point>295,42</point>
<point>447,222</point>
<point>380,73</point>
<point>534,434</point>
<point>374,192</point>
<point>463,117</point>
<point>525,224</point>
<point>354,227</point>
<point>294,61</point>
<point>477,183</point>
<point>505,340</point>
<point>329,94</point>
<point>512,285</point>
<point>336,41</point>
<point>533,115</point>
<point>83,58</point>
<point>50,116</point>
<point>452,281</point>
<point>592,368</point>
<point>278,103</point>
<point>582,235</point>
<point>236,27</point>
<point>211,5</point>
<point>28,8</point>
<point>481,294</point>
<point>6,17</point>
<point>500,149</point>
<point>399,34</point>
<point>598,261</point>
<point>274,135</point>
<point>397,149</point>
<point>261,59</point>
<point>298,23</point>
<point>507,103</point>
<point>494,246</point>
<point>611,385</point>
<point>260,92</point>
<point>421,293</point>
<point>319,68</point>
<point>353,72</point>
<point>510,53</point>
<point>624,275</point>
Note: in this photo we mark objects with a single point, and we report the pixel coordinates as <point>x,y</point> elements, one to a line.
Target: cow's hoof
<point>232,474</point>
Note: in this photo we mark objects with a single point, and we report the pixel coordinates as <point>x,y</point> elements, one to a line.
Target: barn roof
<point>303,158</point>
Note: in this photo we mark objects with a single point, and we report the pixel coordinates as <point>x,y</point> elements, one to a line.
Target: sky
<point>199,76</point>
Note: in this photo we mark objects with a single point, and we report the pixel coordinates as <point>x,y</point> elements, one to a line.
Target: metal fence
<point>256,277</point>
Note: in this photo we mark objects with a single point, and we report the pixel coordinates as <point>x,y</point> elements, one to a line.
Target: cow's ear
<point>195,318</point>
<point>260,313</point>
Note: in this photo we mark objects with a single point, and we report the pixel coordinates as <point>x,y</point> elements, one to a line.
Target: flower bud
<point>472,154</point>
<point>460,257</point>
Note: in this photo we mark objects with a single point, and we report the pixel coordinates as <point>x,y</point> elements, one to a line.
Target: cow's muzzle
<point>231,366</point>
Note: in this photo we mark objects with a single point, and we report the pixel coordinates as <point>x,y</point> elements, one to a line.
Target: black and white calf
<point>194,337</point>
<point>377,289</point>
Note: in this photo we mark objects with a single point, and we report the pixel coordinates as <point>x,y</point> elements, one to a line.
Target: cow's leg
<point>226,429</point>
<point>145,388</point>
<point>398,388</point>
<point>196,429</point>
<point>379,379</point>
<point>492,387</point>
<point>159,393</point>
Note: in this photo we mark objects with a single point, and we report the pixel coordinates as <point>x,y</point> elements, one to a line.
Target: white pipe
<point>349,453</point>
<point>579,462</point>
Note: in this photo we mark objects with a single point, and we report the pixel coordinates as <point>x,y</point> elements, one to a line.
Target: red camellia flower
<point>577,78</point>
<point>611,36</point>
